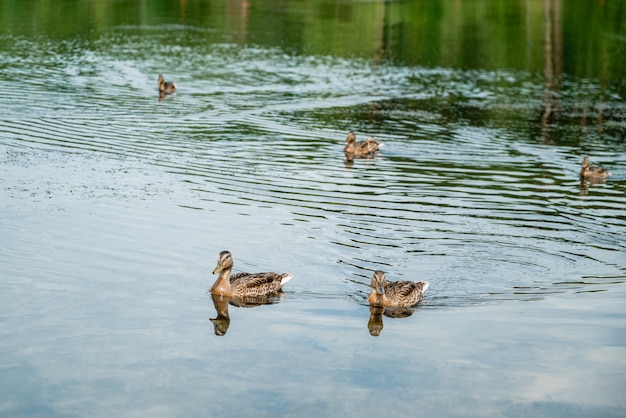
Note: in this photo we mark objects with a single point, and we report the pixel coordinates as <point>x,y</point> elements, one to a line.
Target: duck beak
<point>218,269</point>
<point>379,289</point>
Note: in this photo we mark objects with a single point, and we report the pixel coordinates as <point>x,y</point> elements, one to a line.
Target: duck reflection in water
<point>222,321</point>
<point>586,183</point>
<point>367,149</point>
<point>375,323</point>
<point>221,302</point>
<point>349,161</point>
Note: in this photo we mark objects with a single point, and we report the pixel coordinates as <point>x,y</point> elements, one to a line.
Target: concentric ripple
<point>483,211</point>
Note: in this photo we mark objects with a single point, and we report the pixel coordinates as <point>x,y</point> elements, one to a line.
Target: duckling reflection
<point>375,323</point>
<point>349,161</point>
<point>221,302</point>
<point>588,182</point>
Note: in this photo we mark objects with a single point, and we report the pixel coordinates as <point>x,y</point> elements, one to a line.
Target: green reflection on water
<point>585,39</point>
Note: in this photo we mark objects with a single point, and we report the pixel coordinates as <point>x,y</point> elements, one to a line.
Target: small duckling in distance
<point>403,294</point>
<point>361,148</point>
<point>242,285</point>
<point>590,171</point>
<point>166,87</point>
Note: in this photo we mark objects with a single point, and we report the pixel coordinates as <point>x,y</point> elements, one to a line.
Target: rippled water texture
<point>115,203</point>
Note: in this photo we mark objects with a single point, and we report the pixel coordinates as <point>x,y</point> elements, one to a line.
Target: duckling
<point>241,285</point>
<point>590,171</point>
<point>402,294</point>
<point>166,87</point>
<point>362,148</point>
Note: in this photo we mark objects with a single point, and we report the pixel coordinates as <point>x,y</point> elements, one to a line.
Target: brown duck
<point>243,285</point>
<point>401,294</point>
<point>361,148</point>
<point>593,172</point>
<point>166,87</point>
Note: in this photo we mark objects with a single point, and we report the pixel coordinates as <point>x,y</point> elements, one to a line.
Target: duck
<point>401,294</point>
<point>362,148</point>
<point>590,171</point>
<point>166,87</point>
<point>242,285</point>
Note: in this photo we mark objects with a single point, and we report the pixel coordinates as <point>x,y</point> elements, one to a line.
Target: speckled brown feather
<point>361,148</point>
<point>404,293</point>
<point>257,284</point>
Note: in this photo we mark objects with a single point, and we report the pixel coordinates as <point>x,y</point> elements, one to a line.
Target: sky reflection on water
<point>114,204</point>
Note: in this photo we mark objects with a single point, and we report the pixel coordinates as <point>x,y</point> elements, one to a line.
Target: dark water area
<point>115,203</point>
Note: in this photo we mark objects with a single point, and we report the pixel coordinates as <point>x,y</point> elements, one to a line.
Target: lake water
<point>115,203</point>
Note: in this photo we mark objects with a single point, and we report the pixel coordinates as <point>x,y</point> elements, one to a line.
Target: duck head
<point>379,281</point>
<point>224,262</point>
<point>351,138</point>
<point>585,163</point>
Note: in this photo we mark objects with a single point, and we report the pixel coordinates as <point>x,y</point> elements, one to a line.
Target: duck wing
<point>368,146</point>
<point>258,284</point>
<point>404,294</point>
<point>363,147</point>
<point>372,145</point>
<point>599,172</point>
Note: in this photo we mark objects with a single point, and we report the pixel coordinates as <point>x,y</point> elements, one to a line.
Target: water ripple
<point>482,212</point>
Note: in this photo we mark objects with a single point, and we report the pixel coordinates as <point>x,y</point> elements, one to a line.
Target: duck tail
<point>425,286</point>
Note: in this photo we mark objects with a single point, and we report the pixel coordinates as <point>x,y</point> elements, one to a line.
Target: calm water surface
<point>114,204</point>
